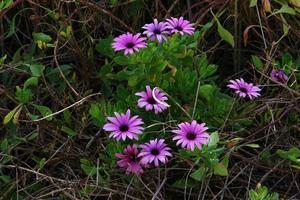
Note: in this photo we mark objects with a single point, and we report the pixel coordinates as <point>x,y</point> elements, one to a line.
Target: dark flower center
<point>179,28</point>
<point>151,100</point>
<point>157,31</point>
<point>154,152</point>
<point>133,157</point>
<point>124,128</point>
<point>191,135</point>
<point>244,90</point>
<point>130,45</point>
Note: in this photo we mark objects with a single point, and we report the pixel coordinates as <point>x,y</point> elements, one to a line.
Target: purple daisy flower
<point>150,102</point>
<point>129,42</point>
<point>279,75</point>
<point>244,89</point>
<point>123,126</point>
<point>154,151</point>
<point>190,135</point>
<point>180,26</point>
<point>156,30</point>
<point>129,160</point>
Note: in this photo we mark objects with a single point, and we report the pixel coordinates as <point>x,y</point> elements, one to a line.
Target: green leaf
<point>10,115</point>
<point>285,9</point>
<point>95,111</point>
<point>205,69</point>
<point>213,139</point>
<point>257,62</point>
<point>88,167</point>
<point>224,34</point>
<point>5,179</point>
<point>285,25</point>
<point>220,169</point>
<point>133,81</point>
<point>16,115</point>
<point>32,81</point>
<point>68,131</point>
<point>293,154</point>
<point>252,145</point>
<point>5,4</point>
<point>207,91</point>
<point>253,3</point>
<point>42,163</point>
<point>104,47</point>
<point>41,37</point>
<point>37,69</point>
<point>44,110</point>
<point>23,95</point>
<point>2,59</point>
<point>199,174</point>
<point>121,60</point>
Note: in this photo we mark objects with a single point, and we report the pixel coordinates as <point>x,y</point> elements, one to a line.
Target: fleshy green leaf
<point>10,115</point>
<point>44,110</point>
<point>199,174</point>
<point>214,139</point>
<point>224,34</point>
<point>41,37</point>
<point>37,69</point>
<point>68,131</point>
<point>104,47</point>
<point>285,9</point>
<point>253,3</point>
<point>32,81</point>
<point>257,62</point>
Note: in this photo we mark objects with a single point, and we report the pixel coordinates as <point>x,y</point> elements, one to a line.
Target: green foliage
<point>88,167</point>
<point>5,4</point>
<point>23,95</point>
<point>292,155</point>
<point>262,193</point>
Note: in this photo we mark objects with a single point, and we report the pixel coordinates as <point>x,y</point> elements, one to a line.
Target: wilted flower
<point>190,135</point>
<point>123,126</point>
<point>156,30</point>
<point>180,26</point>
<point>243,88</point>
<point>155,151</point>
<point>279,75</point>
<point>129,42</point>
<point>150,103</point>
<point>129,160</point>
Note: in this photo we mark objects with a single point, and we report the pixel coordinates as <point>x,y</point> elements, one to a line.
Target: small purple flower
<point>180,26</point>
<point>244,89</point>
<point>154,151</point>
<point>129,42</point>
<point>190,135</point>
<point>156,30</point>
<point>279,75</point>
<point>150,103</point>
<point>129,160</point>
<point>123,126</point>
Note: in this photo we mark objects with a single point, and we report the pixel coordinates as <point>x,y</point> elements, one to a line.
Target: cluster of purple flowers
<point>159,31</point>
<point>135,158</point>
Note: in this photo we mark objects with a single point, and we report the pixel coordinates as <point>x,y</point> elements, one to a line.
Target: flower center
<point>154,152</point>
<point>124,128</point>
<point>133,157</point>
<point>157,31</point>
<point>191,135</point>
<point>179,28</point>
<point>244,90</point>
<point>130,45</point>
<point>151,100</point>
